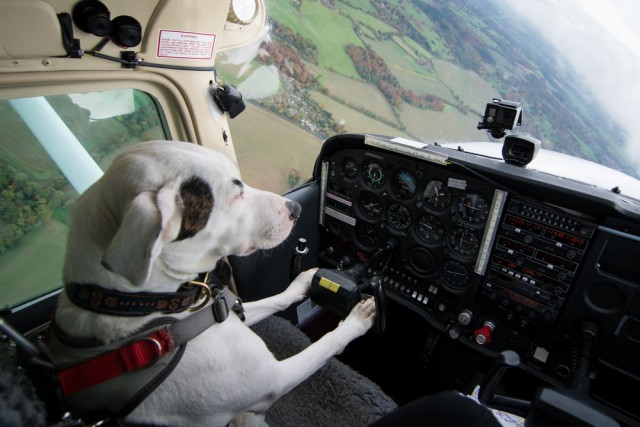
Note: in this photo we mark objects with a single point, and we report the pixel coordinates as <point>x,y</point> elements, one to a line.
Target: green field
<point>474,91</point>
<point>365,18</point>
<point>330,32</point>
<point>447,126</point>
<point>268,152</point>
<point>357,93</point>
<point>355,121</point>
<point>20,277</point>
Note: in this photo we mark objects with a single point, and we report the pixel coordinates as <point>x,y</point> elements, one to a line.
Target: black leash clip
<point>220,306</point>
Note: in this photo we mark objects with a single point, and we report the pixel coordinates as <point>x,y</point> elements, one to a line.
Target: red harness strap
<point>144,351</point>
<point>135,356</point>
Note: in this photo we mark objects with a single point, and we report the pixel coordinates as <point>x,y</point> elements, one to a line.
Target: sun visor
<point>29,29</point>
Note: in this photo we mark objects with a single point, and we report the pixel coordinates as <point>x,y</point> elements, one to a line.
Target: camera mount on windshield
<point>499,116</point>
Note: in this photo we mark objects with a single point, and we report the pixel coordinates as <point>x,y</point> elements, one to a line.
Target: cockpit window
<point>51,149</point>
<point>424,71</point>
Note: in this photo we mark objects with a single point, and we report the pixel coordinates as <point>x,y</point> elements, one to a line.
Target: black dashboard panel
<point>491,255</point>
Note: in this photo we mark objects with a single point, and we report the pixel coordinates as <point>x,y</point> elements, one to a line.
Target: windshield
<point>425,70</point>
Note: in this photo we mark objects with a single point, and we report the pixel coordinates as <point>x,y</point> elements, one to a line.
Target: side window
<point>51,149</point>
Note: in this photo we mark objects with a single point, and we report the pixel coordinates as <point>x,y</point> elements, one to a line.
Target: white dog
<point>162,213</point>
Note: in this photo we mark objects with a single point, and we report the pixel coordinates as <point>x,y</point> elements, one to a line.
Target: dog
<point>162,213</point>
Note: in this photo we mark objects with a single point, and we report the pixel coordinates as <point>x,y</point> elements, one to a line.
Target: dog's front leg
<point>282,376</point>
<point>256,311</point>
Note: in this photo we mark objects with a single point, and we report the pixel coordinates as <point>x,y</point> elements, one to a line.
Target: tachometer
<point>404,184</point>
<point>437,195</point>
<point>398,217</point>
<point>472,207</point>
<point>373,173</point>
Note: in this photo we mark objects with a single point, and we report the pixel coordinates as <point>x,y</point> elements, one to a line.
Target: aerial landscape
<point>423,70</point>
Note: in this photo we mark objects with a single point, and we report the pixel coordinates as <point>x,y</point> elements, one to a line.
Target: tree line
<point>25,204</point>
<point>373,69</point>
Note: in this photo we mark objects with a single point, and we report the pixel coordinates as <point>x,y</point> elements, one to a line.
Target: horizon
<point>601,43</point>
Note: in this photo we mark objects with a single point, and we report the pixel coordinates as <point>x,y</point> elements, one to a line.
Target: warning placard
<point>185,45</point>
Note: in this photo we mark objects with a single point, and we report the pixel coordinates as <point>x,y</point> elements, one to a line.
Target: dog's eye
<point>239,184</point>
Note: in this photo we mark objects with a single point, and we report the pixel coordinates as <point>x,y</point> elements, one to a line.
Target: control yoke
<point>338,291</point>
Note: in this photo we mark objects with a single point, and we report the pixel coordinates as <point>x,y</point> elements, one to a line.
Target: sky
<point>600,39</point>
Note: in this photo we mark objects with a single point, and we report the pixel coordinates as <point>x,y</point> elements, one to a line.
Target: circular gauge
<point>404,184</point>
<point>366,234</point>
<point>421,260</point>
<point>398,216</point>
<point>437,195</point>
<point>370,205</point>
<point>429,228</point>
<point>463,242</point>
<point>472,207</point>
<point>455,275</point>
<point>373,173</point>
<point>350,168</point>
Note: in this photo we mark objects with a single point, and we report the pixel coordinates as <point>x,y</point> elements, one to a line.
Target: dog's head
<point>174,207</point>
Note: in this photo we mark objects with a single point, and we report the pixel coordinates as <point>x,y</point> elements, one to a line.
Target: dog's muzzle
<point>294,209</point>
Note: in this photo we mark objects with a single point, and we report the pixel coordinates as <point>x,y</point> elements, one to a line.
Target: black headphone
<point>92,16</point>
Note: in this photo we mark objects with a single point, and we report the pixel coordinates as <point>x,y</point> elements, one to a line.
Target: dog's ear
<point>197,201</point>
<point>151,220</point>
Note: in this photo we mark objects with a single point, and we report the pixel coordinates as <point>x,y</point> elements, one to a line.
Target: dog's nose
<point>294,209</point>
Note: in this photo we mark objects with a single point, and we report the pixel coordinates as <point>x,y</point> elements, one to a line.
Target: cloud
<point>601,41</point>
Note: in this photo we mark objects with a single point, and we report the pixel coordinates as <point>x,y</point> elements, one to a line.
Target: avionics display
<point>536,256</point>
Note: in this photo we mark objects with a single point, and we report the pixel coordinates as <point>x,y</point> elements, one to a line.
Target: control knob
<point>465,317</point>
<point>483,335</point>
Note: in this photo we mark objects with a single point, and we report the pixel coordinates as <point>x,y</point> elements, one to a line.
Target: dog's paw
<point>249,419</point>
<point>299,288</point>
<point>361,317</point>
